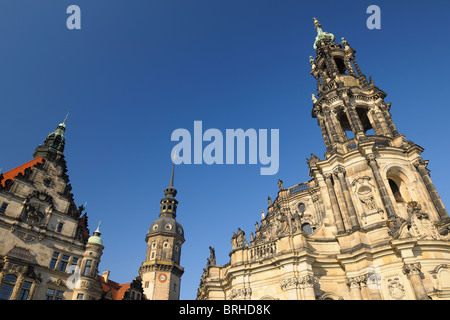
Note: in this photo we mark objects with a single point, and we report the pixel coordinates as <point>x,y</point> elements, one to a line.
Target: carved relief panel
<point>365,192</point>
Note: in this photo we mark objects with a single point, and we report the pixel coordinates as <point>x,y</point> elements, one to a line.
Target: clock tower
<point>161,271</point>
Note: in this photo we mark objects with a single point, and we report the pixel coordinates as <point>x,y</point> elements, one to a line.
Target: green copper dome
<point>95,238</point>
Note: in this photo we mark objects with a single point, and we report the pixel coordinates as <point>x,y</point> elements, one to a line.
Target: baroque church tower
<point>161,271</point>
<point>369,225</point>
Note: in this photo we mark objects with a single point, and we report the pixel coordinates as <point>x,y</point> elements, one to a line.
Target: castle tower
<point>369,225</point>
<point>44,235</point>
<point>161,272</point>
<point>87,285</point>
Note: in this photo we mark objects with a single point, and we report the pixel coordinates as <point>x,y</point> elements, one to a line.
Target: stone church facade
<point>369,225</point>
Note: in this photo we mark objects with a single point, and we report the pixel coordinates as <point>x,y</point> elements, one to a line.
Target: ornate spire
<point>54,143</point>
<point>321,35</point>
<point>170,191</point>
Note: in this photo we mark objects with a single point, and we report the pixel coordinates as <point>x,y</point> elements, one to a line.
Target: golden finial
<point>315,21</point>
<point>66,116</point>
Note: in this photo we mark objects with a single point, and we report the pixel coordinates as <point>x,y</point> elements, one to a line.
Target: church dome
<point>167,225</point>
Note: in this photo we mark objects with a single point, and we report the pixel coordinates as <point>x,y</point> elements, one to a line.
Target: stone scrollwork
<point>308,281</point>
<point>25,237</point>
<point>289,283</point>
<point>241,294</point>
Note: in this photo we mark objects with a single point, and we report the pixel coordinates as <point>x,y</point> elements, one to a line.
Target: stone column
<point>307,284</point>
<point>340,174</point>
<point>424,173</point>
<point>334,204</point>
<point>361,76</point>
<point>17,287</point>
<point>377,128</point>
<point>343,206</point>
<point>337,126</point>
<point>383,122</point>
<point>385,110</point>
<point>330,128</point>
<point>33,288</point>
<point>349,66</point>
<point>321,120</point>
<point>380,184</point>
<point>355,288</point>
<point>412,271</point>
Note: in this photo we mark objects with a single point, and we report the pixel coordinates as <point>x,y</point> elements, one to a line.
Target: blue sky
<point>138,70</point>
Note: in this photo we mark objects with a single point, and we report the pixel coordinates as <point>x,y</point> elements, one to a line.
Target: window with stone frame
<point>24,293</point>
<point>3,207</point>
<point>60,261</point>
<point>53,294</point>
<point>60,227</point>
<point>87,268</point>
<point>7,287</point>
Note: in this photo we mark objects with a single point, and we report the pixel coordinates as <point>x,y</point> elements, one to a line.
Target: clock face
<point>162,277</point>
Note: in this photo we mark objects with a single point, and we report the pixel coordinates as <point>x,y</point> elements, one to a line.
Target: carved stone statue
<point>212,256</point>
<point>280,184</point>
<point>312,160</point>
<point>238,239</point>
<point>32,213</point>
<point>269,200</point>
<point>282,223</point>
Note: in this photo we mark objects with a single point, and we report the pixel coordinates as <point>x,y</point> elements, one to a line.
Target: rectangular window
<point>80,296</point>
<point>25,291</point>
<point>50,294</point>
<point>3,207</point>
<point>6,291</point>
<point>146,284</point>
<point>63,263</point>
<point>74,263</point>
<point>87,268</point>
<point>60,226</point>
<point>59,295</point>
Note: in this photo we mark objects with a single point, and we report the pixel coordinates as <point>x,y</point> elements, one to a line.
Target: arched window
<point>342,69</point>
<point>365,121</point>
<point>345,125</point>
<point>395,191</point>
<point>7,286</point>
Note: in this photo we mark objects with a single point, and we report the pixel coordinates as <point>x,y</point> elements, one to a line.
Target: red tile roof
<point>117,290</point>
<point>11,174</point>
